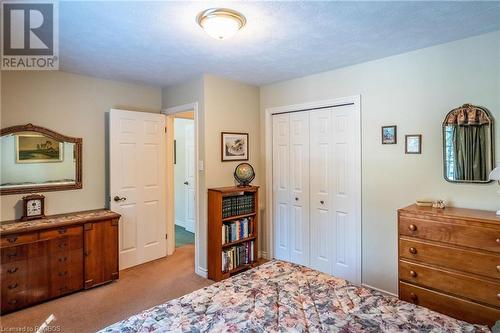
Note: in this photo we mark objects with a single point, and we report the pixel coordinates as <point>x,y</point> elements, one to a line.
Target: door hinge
<point>166,236</point>
<point>165,129</point>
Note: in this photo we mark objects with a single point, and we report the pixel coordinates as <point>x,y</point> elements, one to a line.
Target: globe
<point>244,174</point>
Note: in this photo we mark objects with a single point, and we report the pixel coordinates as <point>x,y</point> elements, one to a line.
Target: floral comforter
<point>283,297</point>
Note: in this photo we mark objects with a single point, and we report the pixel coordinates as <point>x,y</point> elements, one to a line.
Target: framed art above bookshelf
<point>232,230</point>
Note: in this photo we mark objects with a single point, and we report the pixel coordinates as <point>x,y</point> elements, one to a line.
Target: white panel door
<point>281,185</point>
<point>299,188</point>
<point>189,191</point>
<point>321,183</point>
<point>137,164</point>
<point>346,196</point>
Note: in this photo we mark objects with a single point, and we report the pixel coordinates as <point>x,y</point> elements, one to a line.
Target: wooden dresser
<point>55,256</point>
<point>449,261</point>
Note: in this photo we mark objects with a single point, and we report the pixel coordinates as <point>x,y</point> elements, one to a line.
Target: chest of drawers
<point>449,261</point>
<point>48,258</point>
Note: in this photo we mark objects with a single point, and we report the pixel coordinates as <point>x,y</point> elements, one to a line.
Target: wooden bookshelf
<point>217,218</point>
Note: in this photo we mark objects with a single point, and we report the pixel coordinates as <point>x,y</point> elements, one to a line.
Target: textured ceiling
<point>160,43</point>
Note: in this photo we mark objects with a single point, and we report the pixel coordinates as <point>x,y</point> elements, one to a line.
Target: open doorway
<point>184,179</point>
<point>183,215</point>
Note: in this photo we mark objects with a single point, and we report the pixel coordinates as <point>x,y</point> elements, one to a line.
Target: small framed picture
<point>234,146</point>
<point>389,135</point>
<point>413,144</point>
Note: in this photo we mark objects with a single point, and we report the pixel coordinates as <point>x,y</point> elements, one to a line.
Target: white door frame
<point>170,112</point>
<point>355,101</point>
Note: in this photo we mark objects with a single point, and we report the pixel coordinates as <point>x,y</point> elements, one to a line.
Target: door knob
<point>117,198</point>
<point>186,183</point>
<point>322,202</point>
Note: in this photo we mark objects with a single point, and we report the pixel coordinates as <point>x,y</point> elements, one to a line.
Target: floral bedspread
<point>283,297</point>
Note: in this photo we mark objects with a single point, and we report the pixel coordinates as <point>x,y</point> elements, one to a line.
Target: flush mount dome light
<point>221,23</point>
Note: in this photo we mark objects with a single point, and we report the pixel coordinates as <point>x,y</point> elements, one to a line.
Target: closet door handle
<point>296,199</point>
<point>322,202</point>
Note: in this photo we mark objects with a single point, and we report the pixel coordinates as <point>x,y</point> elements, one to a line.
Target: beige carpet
<point>138,288</point>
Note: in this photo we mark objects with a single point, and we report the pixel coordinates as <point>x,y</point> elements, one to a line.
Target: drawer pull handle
<point>62,259</point>
<point>13,302</point>
<point>63,289</point>
<point>412,227</point>
<point>413,250</point>
<point>62,231</point>
<point>12,239</point>
<point>12,270</point>
<point>62,245</point>
<point>63,273</point>
<point>413,274</point>
<point>13,286</point>
<point>413,297</point>
<point>12,255</point>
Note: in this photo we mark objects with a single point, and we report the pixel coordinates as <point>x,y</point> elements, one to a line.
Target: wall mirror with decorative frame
<point>36,159</point>
<point>468,144</point>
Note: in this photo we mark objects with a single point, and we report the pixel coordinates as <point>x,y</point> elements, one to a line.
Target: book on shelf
<point>235,230</point>
<point>237,256</point>
<point>237,205</point>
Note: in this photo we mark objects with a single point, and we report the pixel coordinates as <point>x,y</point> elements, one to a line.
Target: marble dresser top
<point>54,221</point>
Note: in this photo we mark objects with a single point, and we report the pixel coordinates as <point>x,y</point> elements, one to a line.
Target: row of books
<point>237,256</point>
<point>237,230</point>
<point>237,205</point>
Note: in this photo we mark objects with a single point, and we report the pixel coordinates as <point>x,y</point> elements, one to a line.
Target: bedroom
<point>396,63</point>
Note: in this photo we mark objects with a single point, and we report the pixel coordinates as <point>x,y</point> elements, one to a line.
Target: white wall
<point>73,105</point>
<point>413,91</point>
<point>180,169</point>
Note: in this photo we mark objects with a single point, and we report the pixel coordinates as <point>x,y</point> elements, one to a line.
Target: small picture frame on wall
<point>234,146</point>
<point>413,144</point>
<point>389,135</point>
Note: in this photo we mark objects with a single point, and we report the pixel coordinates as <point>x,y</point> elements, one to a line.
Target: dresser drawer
<point>13,301</point>
<point>66,243</point>
<point>18,239</point>
<point>472,261</point>
<point>470,236</point>
<point>462,285</point>
<point>449,305</point>
<point>13,269</point>
<point>14,253</point>
<point>61,232</point>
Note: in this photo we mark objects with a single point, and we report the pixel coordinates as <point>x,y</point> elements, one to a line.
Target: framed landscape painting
<point>234,146</point>
<point>32,148</point>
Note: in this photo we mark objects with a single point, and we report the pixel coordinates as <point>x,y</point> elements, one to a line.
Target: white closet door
<point>281,185</point>
<point>299,188</point>
<point>346,192</point>
<point>321,162</point>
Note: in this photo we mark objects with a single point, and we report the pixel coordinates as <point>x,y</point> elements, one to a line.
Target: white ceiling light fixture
<point>221,23</point>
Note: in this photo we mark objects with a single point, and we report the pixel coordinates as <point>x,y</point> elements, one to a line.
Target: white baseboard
<point>263,254</point>
<point>380,290</point>
<point>201,272</point>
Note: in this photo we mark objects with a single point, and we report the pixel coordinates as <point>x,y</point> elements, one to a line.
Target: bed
<point>279,296</point>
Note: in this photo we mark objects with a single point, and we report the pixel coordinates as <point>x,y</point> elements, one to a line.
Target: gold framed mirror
<point>468,145</point>
<point>37,159</point>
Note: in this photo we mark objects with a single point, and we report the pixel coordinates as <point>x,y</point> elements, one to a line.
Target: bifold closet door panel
<point>321,182</point>
<point>346,137</point>
<point>281,185</point>
<point>299,188</point>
